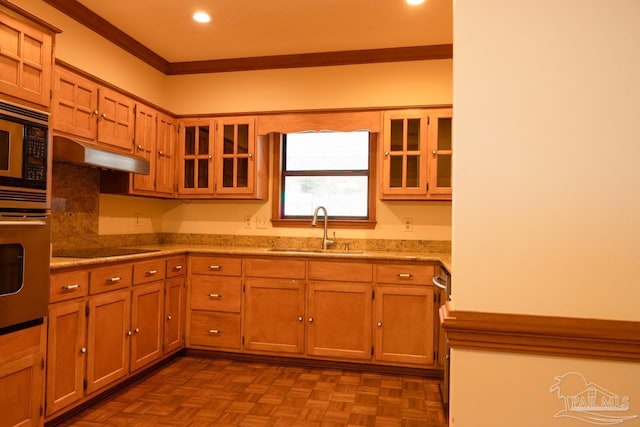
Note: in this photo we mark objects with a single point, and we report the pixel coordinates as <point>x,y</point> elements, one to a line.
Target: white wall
<point>546,208</point>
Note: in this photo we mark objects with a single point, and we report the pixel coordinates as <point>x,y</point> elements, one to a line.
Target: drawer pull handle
<point>177,267</point>
<point>215,267</point>
<point>71,287</point>
<point>215,296</point>
<point>152,272</point>
<point>83,350</point>
<point>114,279</point>
<point>215,331</point>
<point>405,275</point>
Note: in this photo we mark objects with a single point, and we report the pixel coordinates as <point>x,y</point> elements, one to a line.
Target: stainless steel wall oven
<point>25,222</point>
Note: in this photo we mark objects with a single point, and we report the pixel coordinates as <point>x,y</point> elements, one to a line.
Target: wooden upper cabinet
<point>195,154</point>
<point>26,58</point>
<point>87,110</point>
<point>416,155</point>
<point>241,168</point>
<point>145,146</point>
<point>165,155</point>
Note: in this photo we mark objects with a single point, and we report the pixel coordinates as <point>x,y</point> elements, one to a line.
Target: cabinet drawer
<point>216,293</point>
<point>275,268</point>
<point>216,265</point>
<point>405,273</point>
<point>215,329</point>
<point>176,266</point>
<point>341,271</point>
<point>148,271</point>
<point>68,285</point>
<point>109,278</point>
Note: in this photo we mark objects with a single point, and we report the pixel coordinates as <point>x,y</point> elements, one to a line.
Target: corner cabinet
<point>416,154</point>
<point>223,159</point>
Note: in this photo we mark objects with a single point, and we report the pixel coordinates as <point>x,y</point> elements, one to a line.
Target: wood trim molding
<point>101,26</point>
<point>545,335</point>
<point>23,13</point>
<point>317,59</point>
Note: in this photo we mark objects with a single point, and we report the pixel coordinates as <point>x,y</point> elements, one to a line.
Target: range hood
<point>82,153</point>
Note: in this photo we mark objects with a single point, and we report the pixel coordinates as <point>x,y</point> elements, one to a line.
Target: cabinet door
<point>196,158</point>
<point>75,104</point>
<point>66,351</point>
<point>145,147</point>
<point>25,61</point>
<point>339,320</point>
<point>404,159</point>
<point>235,156</point>
<point>174,312</point>
<point>274,315</point>
<point>116,119</point>
<point>441,151</point>
<point>165,155</point>
<point>147,306</point>
<point>22,377</point>
<point>108,339</point>
<point>404,324</point>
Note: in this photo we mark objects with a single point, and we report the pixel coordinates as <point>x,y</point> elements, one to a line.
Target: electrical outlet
<point>136,220</point>
<point>262,222</point>
<point>407,224</point>
<point>247,222</point>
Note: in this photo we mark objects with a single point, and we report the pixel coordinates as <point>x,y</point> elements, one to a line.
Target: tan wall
<point>545,213</point>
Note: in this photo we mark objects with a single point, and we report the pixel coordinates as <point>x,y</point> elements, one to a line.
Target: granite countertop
<point>179,249</point>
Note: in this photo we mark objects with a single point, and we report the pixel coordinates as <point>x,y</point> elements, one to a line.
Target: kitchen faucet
<point>325,240</point>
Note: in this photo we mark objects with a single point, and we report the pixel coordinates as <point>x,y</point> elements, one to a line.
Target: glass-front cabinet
<point>222,158</point>
<point>416,155</point>
<point>236,155</point>
<point>195,172</point>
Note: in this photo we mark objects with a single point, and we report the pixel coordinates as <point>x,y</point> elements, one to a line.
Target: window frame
<point>277,214</point>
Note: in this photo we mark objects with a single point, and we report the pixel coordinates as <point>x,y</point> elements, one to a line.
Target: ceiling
<point>251,28</point>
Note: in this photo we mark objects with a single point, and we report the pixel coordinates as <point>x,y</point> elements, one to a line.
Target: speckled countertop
<point>179,249</point>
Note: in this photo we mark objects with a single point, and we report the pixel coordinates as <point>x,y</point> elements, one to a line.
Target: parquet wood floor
<point>200,391</point>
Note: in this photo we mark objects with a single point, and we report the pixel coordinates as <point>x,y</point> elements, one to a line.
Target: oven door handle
<point>28,223</point>
<point>436,281</point>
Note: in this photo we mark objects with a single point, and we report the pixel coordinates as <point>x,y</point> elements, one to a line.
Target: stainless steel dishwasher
<point>443,281</point>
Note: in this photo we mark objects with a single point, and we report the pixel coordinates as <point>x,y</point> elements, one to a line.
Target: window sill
<point>304,223</point>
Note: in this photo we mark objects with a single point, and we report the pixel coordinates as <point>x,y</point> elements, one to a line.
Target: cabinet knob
<point>300,318</point>
<point>386,154</point>
<point>161,153</point>
<point>434,152</point>
<point>214,331</point>
<point>129,333</point>
<point>210,157</point>
<point>379,324</point>
<point>310,319</point>
<point>250,156</point>
<point>136,330</point>
<point>96,112</point>
<point>169,317</point>
<point>83,350</point>
<point>140,147</point>
<point>103,115</point>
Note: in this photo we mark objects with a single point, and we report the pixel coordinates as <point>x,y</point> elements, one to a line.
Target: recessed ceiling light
<point>202,17</point>
<point>414,2</point>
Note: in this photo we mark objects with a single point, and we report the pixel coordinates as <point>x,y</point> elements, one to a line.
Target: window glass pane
<point>327,151</point>
<point>203,140</point>
<point>243,173</point>
<point>190,140</point>
<point>413,134</point>
<point>189,173</point>
<point>342,195</point>
<point>413,171</point>
<point>243,139</point>
<point>203,173</point>
<point>397,134</point>
<point>395,173</point>
<point>227,173</point>
<point>444,170</point>
<point>11,259</point>
<point>4,150</point>
<point>228,139</point>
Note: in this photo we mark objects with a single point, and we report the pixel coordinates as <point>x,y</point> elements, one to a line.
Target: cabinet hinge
<point>242,340</point>
<point>42,363</point>
<point>86,311</point>
<point>244,288</point>
<point>85,384</point>
<point>50,93</point>
<point>435,355</point>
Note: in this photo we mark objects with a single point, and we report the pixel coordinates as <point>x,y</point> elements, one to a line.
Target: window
<point>330,169</point>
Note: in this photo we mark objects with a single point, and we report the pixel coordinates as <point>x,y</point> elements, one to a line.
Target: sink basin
<point>314,251</point>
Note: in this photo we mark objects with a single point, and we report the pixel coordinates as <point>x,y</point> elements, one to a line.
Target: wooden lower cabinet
<point>215,329</point>
<point>174,313</point>
<point>339,320</point>
<point>66,354</point>
<point>108,339</point>
<point>404,324</point>
<point>22,377</point>
<point>274,315</point>
<point>147,305</point>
